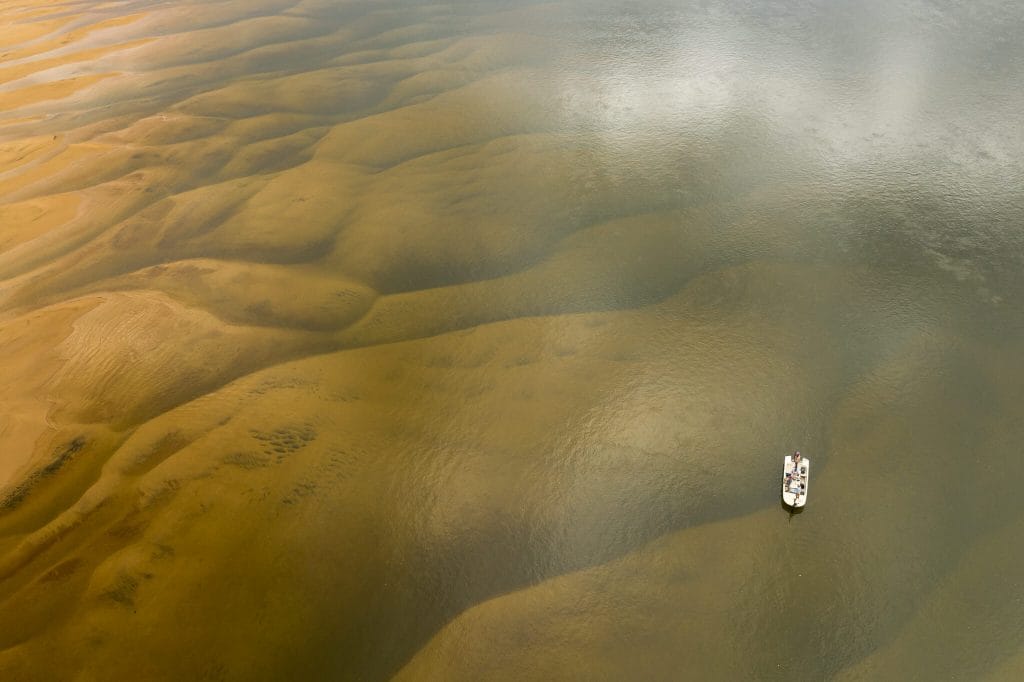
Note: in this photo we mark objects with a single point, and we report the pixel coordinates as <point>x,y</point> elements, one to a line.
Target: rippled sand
<point>342,341</point>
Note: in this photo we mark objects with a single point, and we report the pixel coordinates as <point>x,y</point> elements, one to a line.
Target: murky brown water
<point>360,340</point>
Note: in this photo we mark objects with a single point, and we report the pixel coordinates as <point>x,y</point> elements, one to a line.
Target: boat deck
<point>795,483</point>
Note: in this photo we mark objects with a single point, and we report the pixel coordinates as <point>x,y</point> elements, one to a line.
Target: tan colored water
<point>371,340</point>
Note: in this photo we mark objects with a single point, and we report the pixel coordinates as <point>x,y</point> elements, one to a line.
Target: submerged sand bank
<point>337,338</point>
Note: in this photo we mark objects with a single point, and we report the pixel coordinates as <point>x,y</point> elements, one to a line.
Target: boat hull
<point>790,497</point>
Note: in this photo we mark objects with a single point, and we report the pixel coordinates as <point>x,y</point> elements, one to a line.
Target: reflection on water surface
<point>463,341</point>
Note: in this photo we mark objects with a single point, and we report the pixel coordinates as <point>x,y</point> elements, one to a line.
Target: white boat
<point>795,477</point>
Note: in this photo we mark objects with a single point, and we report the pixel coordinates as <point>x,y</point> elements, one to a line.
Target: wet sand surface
<point>463,341</point>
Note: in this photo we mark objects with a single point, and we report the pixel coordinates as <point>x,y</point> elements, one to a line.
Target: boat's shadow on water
<point>792,511</point>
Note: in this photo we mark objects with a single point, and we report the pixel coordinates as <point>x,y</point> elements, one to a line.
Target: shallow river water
<point>464,341</point>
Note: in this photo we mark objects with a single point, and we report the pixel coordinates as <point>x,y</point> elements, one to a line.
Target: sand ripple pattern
<point>354,340</point>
